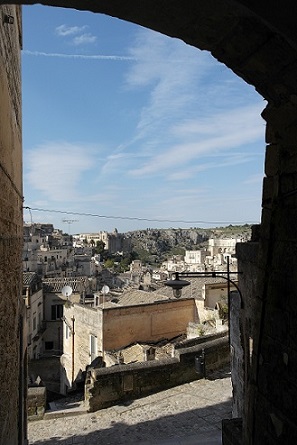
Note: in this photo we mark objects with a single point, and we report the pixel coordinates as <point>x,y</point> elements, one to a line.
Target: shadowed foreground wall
<point>12,350</point>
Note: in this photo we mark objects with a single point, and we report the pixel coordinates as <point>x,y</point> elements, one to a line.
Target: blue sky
<point>122,121</point>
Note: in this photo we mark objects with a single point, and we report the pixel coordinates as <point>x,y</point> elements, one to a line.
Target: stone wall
<point>115,328</point>
<point>86,322</point>
<point>108,386</point>
<point>48,369</point>
<point>36,402</point>
<point>146,323</point>
<point>272,387</point>
<point>244,324</point>
<point>12,346</point>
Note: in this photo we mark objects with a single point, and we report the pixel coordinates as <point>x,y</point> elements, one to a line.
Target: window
<point>48,345</point>
<point>34,321</point>
<point>67,332</point>
<point>57,311</point>
<point>93,347</point>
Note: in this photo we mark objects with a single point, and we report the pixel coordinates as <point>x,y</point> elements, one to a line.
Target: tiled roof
<point>135,297</point>
<point>29,278</point>
<point>57,284</point>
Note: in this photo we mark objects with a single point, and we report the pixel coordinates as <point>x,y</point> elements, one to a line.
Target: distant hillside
<point>155,245</point>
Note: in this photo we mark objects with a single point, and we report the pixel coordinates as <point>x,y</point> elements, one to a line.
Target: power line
<point>130,218</point>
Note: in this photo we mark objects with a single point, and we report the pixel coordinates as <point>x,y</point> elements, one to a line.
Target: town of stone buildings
<point>257,41</point>
<point>125,318</point>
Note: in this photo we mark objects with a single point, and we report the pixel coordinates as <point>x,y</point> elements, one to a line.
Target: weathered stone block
<point>288,183</point>
<point>282,118</point>
<point>270,190</point>
<point>272,160</point>
<point>288,159</point>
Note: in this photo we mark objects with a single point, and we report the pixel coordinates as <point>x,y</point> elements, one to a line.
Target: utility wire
<point>130,218</point>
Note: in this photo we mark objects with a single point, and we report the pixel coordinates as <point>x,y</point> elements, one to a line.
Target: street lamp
<point>177,284</point>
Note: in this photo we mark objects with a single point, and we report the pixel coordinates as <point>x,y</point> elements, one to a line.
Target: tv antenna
<point>69,222</point>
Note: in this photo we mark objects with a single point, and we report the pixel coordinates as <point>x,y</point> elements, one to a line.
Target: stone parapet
<point>36,402</point>
<point>108,386</point>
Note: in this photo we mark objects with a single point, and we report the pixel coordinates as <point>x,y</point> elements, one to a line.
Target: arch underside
<point>255,41</point>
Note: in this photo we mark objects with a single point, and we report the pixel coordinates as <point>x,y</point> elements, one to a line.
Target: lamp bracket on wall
<point>9,19</point>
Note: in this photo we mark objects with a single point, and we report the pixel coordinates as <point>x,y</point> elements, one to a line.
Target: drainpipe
<point>22,414</point>
<point>229,308</point>
<point>73,333</point>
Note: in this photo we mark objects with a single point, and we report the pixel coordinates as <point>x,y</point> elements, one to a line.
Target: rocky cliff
<point>164,242</point>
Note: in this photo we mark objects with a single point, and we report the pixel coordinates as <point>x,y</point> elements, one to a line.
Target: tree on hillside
<point>100,246</point>
<point>109,263</point>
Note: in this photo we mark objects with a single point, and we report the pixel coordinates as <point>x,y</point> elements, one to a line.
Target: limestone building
<point>222,245</point>
<point>46,251</point>
<point>114,241</point>
<point>89,332</point>
<point>35,324</point>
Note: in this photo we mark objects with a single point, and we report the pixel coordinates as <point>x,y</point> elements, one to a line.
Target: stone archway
<point>258,41</point>
<point>255,41</point>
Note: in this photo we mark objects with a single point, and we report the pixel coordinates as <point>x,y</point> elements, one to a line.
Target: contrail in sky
<point>76,56</point>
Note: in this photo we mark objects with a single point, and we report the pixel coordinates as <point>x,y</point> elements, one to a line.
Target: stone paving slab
<point>185,415</point>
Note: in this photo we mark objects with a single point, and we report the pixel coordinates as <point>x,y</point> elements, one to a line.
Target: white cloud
<point>84,39</point>
<point>79,37</point>
<point>77,56</point>
<point>56,169</point>
<point>255,179</point>
<point>64,30</point>
<point>190,172</point>
<point>204,137</point>
<point>179,81</point>
<point>121,161</point>
<point>170,69</point>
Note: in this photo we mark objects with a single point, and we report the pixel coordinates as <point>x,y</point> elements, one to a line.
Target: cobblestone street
<point>187,414</point>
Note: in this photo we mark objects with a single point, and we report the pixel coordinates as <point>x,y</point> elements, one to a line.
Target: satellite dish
<point>105,289</point>
<point>66,291</point>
